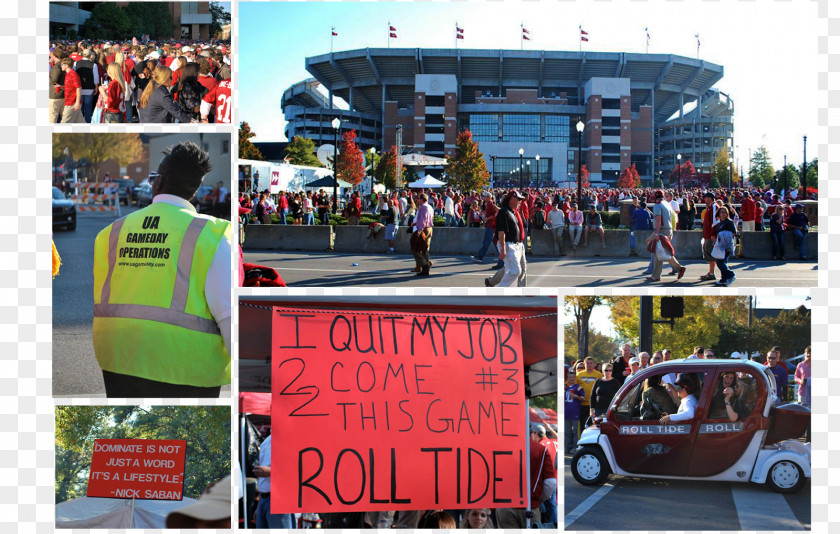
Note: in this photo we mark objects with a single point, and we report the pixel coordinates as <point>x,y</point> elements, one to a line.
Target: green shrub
<point>611,219</point>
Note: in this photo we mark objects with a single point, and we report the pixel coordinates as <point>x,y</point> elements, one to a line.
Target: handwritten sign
<point>382,411</point>
<point>138,469</point>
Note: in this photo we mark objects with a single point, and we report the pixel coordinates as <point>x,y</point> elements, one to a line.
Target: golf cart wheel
<point>785,477</point>
<point>590,467</point>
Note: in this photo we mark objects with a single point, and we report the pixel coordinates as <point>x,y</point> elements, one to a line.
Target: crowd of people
<point>721,214</point>
<point>148,82</point>
<point>590,388</point>
<point>542,450</point>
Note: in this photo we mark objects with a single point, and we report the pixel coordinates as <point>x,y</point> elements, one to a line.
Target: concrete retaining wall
<point>288,237</point>
<point>617,241</point>
<point>355,239</point>
<point>759,246</point>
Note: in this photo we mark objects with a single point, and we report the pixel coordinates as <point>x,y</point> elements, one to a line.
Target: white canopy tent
<point>425,182</point>
<point>423,160</point>
<point>95,512</point>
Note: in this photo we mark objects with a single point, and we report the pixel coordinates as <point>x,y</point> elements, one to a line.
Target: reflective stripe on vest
<point>175,314</point>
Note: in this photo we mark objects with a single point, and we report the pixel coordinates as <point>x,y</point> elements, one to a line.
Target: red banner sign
<point>388,411</point>
<point>138,469</point>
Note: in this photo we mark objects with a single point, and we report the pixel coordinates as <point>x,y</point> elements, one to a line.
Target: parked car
<point>203,199</point>
<point>143,194</point>
<point>63,209</point>
<point>761,446</point>
<point>126,191</point>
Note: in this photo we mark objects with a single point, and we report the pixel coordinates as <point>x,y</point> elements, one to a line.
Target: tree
<point>812,174</point>
<point>410,174</point>
<point>682,172</point>
<point>107,21</point>
<point>720,169</point>
<point>247,150</point>
<point>467,170</point>
<point>386,169</point>
<point>629,177</point>
<point>581,308</point>
<point>601,347</point>
<point>301,151</point>
<point>373,159</point>
<point>220,17</point>
<point>206,429</point>
<point>152,18</point>
<point>350,166</point>
<point>699,326</point>
<point>761,170</point>
<point>97,148</point>
<point>792,180</point>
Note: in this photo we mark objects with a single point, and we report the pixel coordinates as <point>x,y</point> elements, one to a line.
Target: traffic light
<point>671,307</point>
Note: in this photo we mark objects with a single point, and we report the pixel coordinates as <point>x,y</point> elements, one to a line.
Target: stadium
<point>523,107</point>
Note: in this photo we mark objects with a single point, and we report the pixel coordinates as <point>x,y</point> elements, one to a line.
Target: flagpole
<point>456,35</point>
<point>647,40</point>
<point>580,38</point>
<point>697,35</point>
<point>522,36</point>
<point>332,36</point>
<point>389,34</point>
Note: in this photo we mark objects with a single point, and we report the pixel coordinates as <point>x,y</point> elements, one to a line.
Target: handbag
<point>717,251</point>
<point>661,253</point>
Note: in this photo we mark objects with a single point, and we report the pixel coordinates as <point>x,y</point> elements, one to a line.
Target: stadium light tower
<point>336,124</point>
<point>580,126</point>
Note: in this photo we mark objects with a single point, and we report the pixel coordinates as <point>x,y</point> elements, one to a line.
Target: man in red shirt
<point>490,211</point>
<point>747,214</point>
<point>72,93</point>
<point>219,97</point>
<point>709,221</point>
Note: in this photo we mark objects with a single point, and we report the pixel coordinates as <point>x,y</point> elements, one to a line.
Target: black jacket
<point>161,108</point>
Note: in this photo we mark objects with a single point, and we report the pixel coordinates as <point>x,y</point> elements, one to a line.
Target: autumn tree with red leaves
<point>386,169</point>
<point>683,172</point>
<point>584,174</point>
<point>350,166</point>
<point>629,177</point>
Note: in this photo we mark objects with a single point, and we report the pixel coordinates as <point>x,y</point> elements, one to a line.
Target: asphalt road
<point>75,370</point>
<point>336,269</point>
<point>629,503</point>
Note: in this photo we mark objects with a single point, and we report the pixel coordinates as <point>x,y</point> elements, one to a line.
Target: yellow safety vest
<point>150,315</point>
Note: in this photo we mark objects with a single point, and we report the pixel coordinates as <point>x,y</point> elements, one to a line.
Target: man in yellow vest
<point>162,304</point>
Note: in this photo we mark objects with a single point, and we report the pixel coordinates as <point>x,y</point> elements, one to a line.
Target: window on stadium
<point>556,129</point>
<point>484,127</point>
<point>517,127</point>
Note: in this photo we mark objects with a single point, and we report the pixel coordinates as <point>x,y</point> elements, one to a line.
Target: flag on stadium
<point>584,35</point>
<point>459,32</point>
<point>334,33</point>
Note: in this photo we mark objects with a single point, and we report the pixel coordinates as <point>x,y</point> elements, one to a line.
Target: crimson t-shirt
<point>71,83</point>
<point>219,96</point>
<point>115,98</point>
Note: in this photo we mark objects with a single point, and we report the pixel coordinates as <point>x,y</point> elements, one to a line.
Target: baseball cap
<point>516,194</point>
<point>634,360</point>
<point>186,49</point>
<point>213,505</point>
<point>538,428</point>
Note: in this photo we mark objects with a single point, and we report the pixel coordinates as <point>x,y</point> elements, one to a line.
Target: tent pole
<point>131,516</point>
<point>243,467</point>
<point>528,461</point>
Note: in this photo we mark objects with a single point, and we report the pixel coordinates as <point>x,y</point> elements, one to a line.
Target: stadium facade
<point>635,108</point>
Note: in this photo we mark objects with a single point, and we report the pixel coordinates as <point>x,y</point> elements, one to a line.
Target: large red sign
<point>138,469</point>
<point>396,411</point>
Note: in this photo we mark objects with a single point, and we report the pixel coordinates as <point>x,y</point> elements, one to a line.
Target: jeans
<point>87,106</point>
<point>575,230</point>
<point>726,273</point>
<point>550,509</point>
<point>800,239</point>
<point>266,519</point>
<point>309,218</point>
<point>325,217</point>
<point>450,220</point>
<point>558,238</point>
<point>571,431</point>
<point>488,239</point>
<point>129,111</point>
<point>283,214</point>
<point>778,244</point>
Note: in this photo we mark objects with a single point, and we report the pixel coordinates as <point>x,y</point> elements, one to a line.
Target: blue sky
<point>769,52</point>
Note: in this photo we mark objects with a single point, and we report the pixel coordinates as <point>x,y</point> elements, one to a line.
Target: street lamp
<point>372,167</point>
<point>336,124</point>
<point>492,170</point>
<point>784,182</point>
<point>804,165</point>
<point>521,166</point>
<point>730,172</point>
<point>537,159</point>
<point>679,171</point>
<point>580,127</point>
<point>528,163</point>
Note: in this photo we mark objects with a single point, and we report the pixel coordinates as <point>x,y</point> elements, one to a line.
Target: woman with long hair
<point>688,214</point>
<point>129,85</point>
<point>114,95</point>
<point>156,101</point>
<point>177,64</point>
